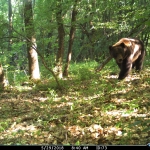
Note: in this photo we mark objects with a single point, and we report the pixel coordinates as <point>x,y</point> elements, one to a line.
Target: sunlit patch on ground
<point>130,77</point>
<point>125,113</point>
<point>98,109</point>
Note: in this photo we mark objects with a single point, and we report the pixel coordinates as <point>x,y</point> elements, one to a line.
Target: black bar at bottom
<point>74,147</point>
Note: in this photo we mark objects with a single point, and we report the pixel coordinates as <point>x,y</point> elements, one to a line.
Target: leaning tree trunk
<point>34,72</point>
<point>71,39</point>
<point>101,66</point>
<point>61,36</point>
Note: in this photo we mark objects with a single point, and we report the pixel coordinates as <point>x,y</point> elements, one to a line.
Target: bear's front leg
<point>125,69</point>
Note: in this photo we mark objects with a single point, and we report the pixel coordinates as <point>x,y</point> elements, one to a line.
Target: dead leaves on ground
<point>94,111</point>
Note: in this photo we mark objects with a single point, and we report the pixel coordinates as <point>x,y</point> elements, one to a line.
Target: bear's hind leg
<point>139,65</point>
<point>139,62</point>
<point>126,67</point>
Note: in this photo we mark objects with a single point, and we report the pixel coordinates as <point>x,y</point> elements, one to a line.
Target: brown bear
<point>128,53</point>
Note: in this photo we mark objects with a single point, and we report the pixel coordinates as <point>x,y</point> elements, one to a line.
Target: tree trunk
<point>13,57</point>
<point>34,72</point>
<point>10,24</point>
<point>71,39</point>
<point>92,33</point>
<point>3,81</point>
<point>61,36</point>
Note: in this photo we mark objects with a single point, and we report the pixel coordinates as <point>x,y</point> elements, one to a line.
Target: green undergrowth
<point>92,108</point>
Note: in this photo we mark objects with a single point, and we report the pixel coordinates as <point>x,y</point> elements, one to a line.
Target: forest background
<point>49,51</point>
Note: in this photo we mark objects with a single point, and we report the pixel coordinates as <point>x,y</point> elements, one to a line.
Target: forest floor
<point>93,108</point>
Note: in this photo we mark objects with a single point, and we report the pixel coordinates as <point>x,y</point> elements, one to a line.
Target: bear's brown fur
<point>128,53</point>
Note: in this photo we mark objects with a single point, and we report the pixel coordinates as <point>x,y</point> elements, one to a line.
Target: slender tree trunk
<point>34,72</point>
<point>10,30</point>
<point>82,39</point>
<point>61,36</point>
<point>71,39</point>
<point>10,24</point>
<point>48,51</point>
<point>92,33</point>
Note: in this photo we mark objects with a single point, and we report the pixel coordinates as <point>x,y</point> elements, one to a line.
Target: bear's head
<point>120,50</point>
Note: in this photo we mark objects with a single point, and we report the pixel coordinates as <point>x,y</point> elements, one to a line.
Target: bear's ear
<point>110,47</point>
<point>110,50</point>
<point>122,45</point>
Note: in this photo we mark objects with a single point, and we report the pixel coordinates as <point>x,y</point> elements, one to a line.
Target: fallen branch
<point>101,66</point>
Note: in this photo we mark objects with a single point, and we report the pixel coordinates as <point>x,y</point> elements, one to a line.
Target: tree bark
<point>61,36</point>
<point>10,24</point>
<point>34,72</point>
<point>42,59</point>
<point>71,39</point>
<point>92,33</point>
<point>3,81</point>
<point>13,57</point>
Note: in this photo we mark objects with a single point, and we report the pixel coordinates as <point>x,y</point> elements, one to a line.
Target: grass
<point>92,108</point>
